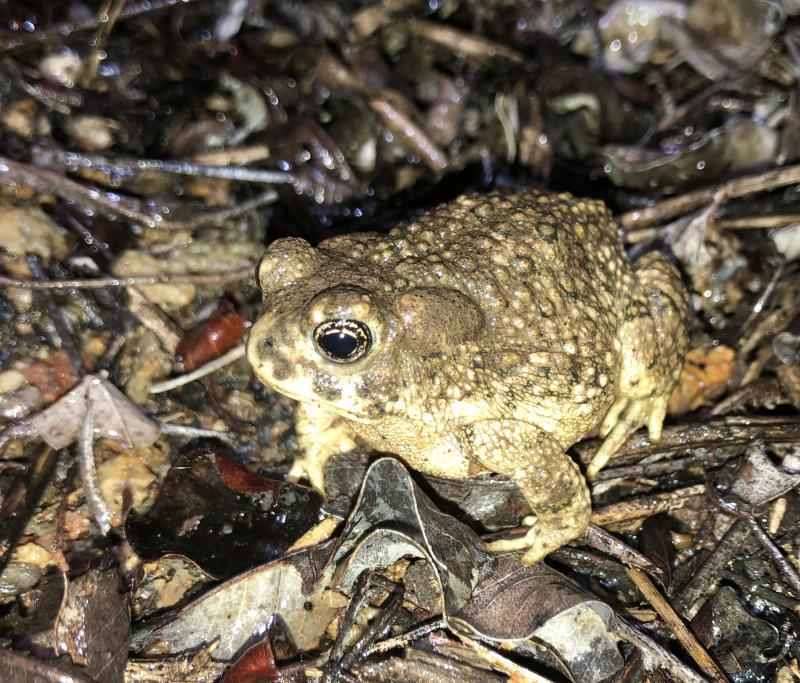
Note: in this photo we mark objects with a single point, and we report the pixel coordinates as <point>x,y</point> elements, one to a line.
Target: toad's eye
<point>342,341</point>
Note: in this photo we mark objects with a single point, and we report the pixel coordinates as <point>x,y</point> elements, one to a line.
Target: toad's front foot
<point>311,469</point>
<point>320,435</point>
<point>623,418</point>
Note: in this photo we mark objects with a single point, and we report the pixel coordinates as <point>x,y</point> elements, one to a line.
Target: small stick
<point>46,181</point>
<point>658,469</point>
<point>187,431</point>
<point>775,553</point>
<point>88,469</point>
<point>233,156</point>
<point>688,600</point>
<point>132,281</point>
<point>134,167</point>
<point>776,515</point>
<point>19,503</point>
<point>60,523</point>
<point>234,354</point>
<point>366,21</point>
<point>646,506</point>
<point>686,437</point>
<point>751,222</point>
<point>155,320</point>
<point>58,32</point>
<point>681,631</point>
<point>665,659</point>
<point>599,539</point>
<point>497,661</point>
<point>637,219</point>
<point>412,134</point>
<point>403,639</point>
<point>470,45</point>
<point>377,628</point>
<point>107,16</point>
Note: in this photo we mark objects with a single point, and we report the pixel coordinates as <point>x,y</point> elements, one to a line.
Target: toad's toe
<point>623,419</point>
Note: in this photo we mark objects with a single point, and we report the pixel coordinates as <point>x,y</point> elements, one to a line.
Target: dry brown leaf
<point>704,377</point>
<point>115,416</point>
<point>53,376</point>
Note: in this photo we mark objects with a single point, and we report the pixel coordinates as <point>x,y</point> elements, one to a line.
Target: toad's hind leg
<point>547,476</point>
<point>652,340</point>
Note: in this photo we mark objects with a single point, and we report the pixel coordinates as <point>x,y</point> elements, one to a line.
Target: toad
<point>488,335</point>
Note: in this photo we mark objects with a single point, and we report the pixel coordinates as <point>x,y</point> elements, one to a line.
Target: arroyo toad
<point>488,335</point>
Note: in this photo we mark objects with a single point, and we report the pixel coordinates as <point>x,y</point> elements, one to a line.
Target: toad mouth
<point>314,400</point>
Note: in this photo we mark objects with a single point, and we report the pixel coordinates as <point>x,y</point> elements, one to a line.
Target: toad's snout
<point>263,351</point>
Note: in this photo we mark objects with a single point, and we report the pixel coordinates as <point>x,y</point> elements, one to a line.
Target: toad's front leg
<point>653,340</point>
<point>320,435</point>
<point>549,479</point>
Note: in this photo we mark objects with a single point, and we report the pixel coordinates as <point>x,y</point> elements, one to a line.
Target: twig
<point>154,319</point>
<point>775,553</point>
<point>58,32</point>
<point>711,570</point>
<point>751,222</point>
<point>637,219</point>
<point>758,307</point>
<point>469,45</point>
<point>21,430</point>
<point>134,167</point>
<point>198,433</point>
<point>692,436</point>
<point>28,668</point>
<point>377,628</point>
<point>234,354</point>
<point>599,539</point>
<point>514,671</point>
<point>359,598</point>
<point>403,639</point>
<point>19,502</point>
<point>88,469</point>
<point>107,16</point>
<point>646,506</point>
<point>57,315</point>
<point>132,281</point>
<point>47,181</point>
<point>233,156</point>
<point>60,522</point>
<point>659,469</point>
<point>663,657</point>
<point>681,631</point>
<point>776,515</point>
<point>412,134</point>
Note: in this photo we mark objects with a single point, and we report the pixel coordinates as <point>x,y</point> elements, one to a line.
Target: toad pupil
<point>343,341</point>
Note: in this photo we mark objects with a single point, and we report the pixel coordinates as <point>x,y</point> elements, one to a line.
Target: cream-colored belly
<point>439,454</point>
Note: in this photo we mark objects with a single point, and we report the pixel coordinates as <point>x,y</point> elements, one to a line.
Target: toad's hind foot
<point>623,418</point>
<point>549,479</point>
<point>544,536</point>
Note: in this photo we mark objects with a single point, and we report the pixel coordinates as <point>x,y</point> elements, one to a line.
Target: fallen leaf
<point>211,338</point>
<point>221,516</point>
<point>53,376</point>
<point>494,597</point>
<point>116,417</point>
<point>704,378</point>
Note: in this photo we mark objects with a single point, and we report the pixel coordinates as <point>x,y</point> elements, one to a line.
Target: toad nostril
<point>268,342</point>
